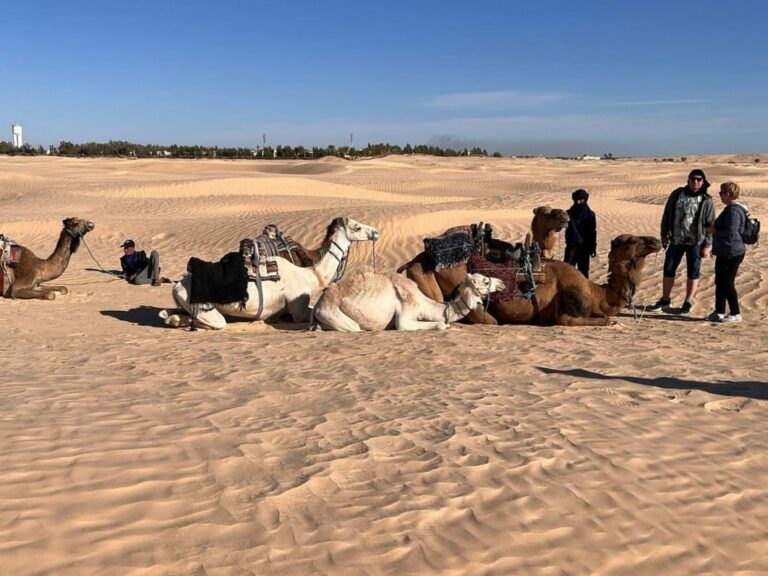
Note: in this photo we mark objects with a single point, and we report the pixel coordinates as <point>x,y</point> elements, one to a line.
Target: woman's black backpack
<point>751,234</point>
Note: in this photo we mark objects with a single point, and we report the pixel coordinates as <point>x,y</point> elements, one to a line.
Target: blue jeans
<point>674,256</point>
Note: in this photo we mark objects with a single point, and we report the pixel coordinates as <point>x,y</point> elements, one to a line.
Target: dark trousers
<point>726,268</point>
<point>579,258</point>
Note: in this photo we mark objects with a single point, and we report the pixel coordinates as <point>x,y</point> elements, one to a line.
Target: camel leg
<point>479,317</point>
<point>62,290</point>
<point>410,324</point>
<point>408,319</point>
<point>335,319</point>
<point>32,294</point>
<point>568,320</point>
<point>212,318</point>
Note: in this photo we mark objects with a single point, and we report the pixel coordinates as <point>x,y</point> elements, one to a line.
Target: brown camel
<point>546,224</point>
<point>567,298</point>
<point>294,252</point>
<point>440,284</point>
<point>30,271</point>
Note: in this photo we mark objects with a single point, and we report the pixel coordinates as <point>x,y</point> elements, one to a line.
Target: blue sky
<point>552,77</point>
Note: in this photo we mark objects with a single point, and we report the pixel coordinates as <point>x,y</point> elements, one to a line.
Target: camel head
<point>628,252</point>
<point>77,228</point>
<point>482,285</point>
<point>547,219</point>
<point>355,231</point>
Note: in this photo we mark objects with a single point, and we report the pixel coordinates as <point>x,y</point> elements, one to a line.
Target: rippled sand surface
<point>132,448</point>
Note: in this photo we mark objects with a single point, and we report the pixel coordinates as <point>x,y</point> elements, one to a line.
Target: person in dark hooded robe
<point>581,233</point>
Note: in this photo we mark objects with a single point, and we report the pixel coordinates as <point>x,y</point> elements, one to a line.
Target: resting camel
<point>291,293</point>
<point>567,298</point>
<point>438,284</point>
<point>368,300</point>
<point>30,271</point>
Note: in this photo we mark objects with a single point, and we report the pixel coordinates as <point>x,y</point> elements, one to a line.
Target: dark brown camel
<point>567,298</point>
<point>439,285</point>
<point>295,252</point>
<point>30,271</point>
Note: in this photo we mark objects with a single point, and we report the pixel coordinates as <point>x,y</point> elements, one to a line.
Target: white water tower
<point>18,140</point>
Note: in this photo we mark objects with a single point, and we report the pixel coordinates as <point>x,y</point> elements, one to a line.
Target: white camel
<point>291,293</point>
<point>368,300</point>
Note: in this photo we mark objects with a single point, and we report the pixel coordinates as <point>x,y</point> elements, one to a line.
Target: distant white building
<point>18,139</point>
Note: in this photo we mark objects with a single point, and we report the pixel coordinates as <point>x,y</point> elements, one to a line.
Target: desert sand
<point>132,448</point>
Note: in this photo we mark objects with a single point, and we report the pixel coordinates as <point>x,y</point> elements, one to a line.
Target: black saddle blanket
<point>221,282</point>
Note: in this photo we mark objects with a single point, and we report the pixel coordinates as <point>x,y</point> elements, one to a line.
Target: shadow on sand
<point>150,316</point>
<point>143,316</point>
<point>745,389</point>
<point>112,272</point>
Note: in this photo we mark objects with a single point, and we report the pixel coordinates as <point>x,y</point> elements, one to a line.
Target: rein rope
<point>82,239</point>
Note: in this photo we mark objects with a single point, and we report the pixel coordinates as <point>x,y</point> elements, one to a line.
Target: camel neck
<point>462,304</point>
<point>334,257</point>
<point>55,265</point>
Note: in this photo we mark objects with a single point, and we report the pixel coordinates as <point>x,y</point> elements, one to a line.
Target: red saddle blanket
<point>9,257</point>
<point>515,280</point>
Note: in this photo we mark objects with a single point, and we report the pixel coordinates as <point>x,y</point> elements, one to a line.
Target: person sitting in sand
<point>137,268</point>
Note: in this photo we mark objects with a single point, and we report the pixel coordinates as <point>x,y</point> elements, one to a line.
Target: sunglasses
<point>696,178</point>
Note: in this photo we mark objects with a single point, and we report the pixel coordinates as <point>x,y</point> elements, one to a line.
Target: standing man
<point>137,268</point>
<point>688,214</point>
<point>581,234</point>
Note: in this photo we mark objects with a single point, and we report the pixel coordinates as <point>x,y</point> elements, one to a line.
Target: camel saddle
<point>272,240</point>
<point>10,253</point>
<point>456,245</point>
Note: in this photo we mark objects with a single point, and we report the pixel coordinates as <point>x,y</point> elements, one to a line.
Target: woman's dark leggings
<point>726,268</point>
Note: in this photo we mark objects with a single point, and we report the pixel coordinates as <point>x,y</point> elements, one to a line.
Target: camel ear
<point>538,209</point>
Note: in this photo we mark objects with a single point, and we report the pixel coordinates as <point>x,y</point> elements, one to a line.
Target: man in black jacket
<point>137,268</point>
<point>688,214</point>
<point>581,234</point>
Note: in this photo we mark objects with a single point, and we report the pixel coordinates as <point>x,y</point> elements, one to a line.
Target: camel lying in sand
<point>27,275</point>
<point>567,298</point>
<point>368,300</point>
<point>291,293</point>
<point>438,284</point>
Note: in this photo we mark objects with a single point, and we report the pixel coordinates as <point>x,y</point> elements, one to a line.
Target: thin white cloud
<point>496,100</point>
<point>658,103</point>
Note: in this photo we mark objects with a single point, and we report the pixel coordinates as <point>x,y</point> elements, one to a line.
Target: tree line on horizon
<point>121,148</point>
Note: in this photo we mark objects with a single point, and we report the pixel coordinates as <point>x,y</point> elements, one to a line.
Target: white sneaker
<point>716,317</point>
<point>732,318</point>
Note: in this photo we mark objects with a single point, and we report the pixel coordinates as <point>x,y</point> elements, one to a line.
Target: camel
<point>438,284</point>
<point>567,298</point>
<point>547,223</point>
<point>373,301</point>
<point>291,250</point>
<point>28,274</point>
<point>290,293</point>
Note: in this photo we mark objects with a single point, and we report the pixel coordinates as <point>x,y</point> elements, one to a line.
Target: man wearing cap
<point>688,213</point>
<point>581,233</point>
<point>137,268</point>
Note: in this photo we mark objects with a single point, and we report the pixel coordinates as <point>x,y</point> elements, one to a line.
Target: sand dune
<point>131,448</point>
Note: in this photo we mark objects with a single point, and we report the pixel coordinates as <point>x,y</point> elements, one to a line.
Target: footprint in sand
<point>727,406</point>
